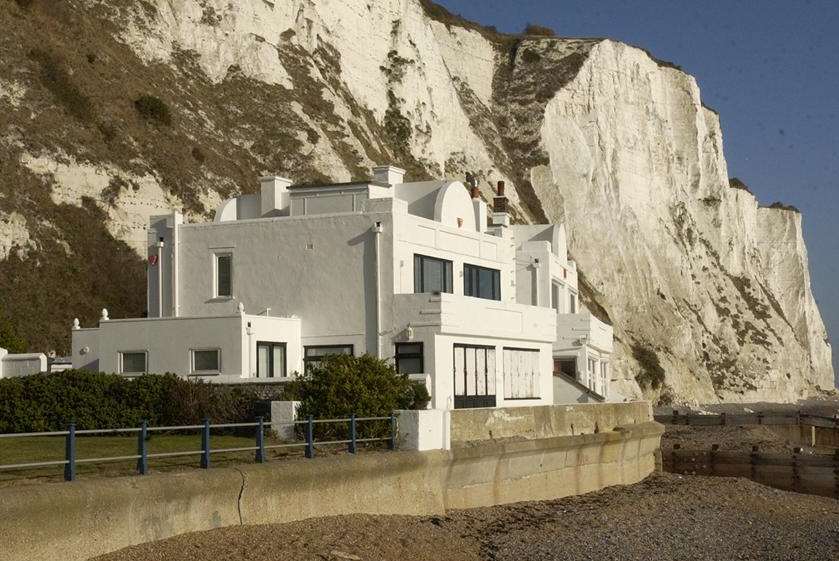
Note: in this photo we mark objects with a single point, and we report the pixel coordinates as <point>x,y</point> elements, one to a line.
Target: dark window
<point>572,304</point>
<point>315,353</point>
<point>224,275</point>
<point>270,360</point>
<point>409,358</point>
<point>133,362</point>
<point>432,275</point>
<point>481,282</point>
<point>206,361</point>
<point>567,366</point>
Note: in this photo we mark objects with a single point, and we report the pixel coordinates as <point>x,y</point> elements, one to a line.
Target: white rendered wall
<point>13,365</point>
<point>322,269</point>
<point>417,235</point>
<point>168,342</point>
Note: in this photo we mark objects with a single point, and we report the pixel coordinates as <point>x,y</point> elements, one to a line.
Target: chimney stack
<point>500,218</point>
<point>273,195</point>
<point>389,174</point>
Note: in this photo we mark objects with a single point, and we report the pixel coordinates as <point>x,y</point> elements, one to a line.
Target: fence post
<point>836,474</point>
<point>760,417</point>
<point>205,444</point>
<point>70,453</point>
<point>674,457</point>
<point>713,457</point>
<point>753,458</point>
<point>260,441</point>
<point>675,416</point>
<point>796,474</point>
<point>310,437</point>
<point>722,418</point>
<point>142,450</point>
<point>353,435</point>
<point>392,442</point>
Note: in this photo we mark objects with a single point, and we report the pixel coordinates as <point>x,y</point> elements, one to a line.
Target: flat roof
<point>344,184</point>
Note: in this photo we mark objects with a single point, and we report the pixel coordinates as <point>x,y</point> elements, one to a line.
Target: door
<point>270,360</point>
<point>474,376</point>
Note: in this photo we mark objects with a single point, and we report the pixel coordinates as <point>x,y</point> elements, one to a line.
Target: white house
<point>422,273</point>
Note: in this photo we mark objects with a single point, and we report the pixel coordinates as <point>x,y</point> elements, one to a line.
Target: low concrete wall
<point>76,521</point>
<point>470,425</point>
<point>492,473</point>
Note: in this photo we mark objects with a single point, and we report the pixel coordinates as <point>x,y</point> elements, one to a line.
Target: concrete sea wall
<point>76,521</point>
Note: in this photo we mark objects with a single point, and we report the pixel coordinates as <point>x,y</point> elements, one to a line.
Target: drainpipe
<point>160,245</point>
<point>251,365</point>
<point>377,230</point>
<point>176,222</point>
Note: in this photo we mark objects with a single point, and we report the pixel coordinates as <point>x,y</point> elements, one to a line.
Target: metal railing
<point>70,461</point>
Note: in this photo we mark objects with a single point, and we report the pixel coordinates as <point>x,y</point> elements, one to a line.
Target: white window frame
<point>195,372</point>
<point>226,252</point>
<point>120,368</point>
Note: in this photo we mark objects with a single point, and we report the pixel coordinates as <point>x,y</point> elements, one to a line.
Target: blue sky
<point>770,68</point>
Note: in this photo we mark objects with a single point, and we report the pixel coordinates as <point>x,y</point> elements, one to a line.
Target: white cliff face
<point>716,287</point>
<point>700,282</point>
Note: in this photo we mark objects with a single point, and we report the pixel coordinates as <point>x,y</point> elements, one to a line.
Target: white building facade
<point>421,273</point>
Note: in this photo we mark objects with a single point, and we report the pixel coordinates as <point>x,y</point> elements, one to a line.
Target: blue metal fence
<point>70,461</point>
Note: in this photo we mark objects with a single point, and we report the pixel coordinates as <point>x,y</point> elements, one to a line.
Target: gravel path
<point>666,517</point>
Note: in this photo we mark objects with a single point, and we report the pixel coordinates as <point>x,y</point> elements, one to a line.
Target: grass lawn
<point>49,448</point>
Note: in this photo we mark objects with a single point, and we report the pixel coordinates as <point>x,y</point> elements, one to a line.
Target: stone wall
<point>470,425</point>
<point>103,515</point>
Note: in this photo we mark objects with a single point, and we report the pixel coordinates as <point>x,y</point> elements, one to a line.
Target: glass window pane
<point>418,274</point>
<point>408,348</point>
<point>432,273</point>
<point>205,361</point>
<point>262,360</point>
<point>410,365</point>
<point>278,355</point>
<point>485,283</point>
<point>321,351</point>
<point>134,363</point>
<point>224,266</point>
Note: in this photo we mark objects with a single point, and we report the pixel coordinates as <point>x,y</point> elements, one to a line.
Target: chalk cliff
<point>708,292</point>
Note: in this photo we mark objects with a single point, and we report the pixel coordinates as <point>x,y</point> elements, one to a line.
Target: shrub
<point>154,109</point>
<point>9,338</point>
<point>533,29</point>
<point>652,374</point>
<point>57,80</point>
<point>342,385</point>
<point>782,206</point>
<point>95,400</point>
<point>530,56</point>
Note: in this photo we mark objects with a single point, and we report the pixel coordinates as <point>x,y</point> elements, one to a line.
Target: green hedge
<point>44,402</point>
<point>343,385</point>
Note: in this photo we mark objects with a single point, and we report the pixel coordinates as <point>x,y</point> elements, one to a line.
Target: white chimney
<point>391,175</point>
<point>273,195</point>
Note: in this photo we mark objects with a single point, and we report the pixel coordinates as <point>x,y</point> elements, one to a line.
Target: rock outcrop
<point>708,292</point>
